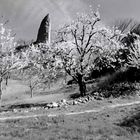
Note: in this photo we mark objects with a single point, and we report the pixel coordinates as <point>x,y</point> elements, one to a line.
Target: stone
<point>46,108</point>
<point>89,97</point>
<point>70,103</point>
<point>79,100</point>
<point>64,101</point>
<point>49,105</point>
<point>96,93</point>
<point>44,29</point>
<point>75,102</point>
<point>33,108</point>
<point>54,104</point>
<point>86,99</point>
<point>15,110</point>
<point>98,98</point>
<point>26,111</point>
<point>43,35</point>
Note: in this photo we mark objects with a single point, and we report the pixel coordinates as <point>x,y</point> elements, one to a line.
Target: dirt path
<point>69,113</point>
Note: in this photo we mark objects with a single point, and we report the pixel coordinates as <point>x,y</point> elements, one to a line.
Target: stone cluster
<point>64,102</point>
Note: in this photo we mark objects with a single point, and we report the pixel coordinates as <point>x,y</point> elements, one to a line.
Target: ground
<point>116,123</point>
<point>18,92</point>
<point>109,124</point>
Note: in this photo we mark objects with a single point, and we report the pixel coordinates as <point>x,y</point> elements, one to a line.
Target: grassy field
<point>115,124</point>
<point>120,123</point>
<point>18,92</point>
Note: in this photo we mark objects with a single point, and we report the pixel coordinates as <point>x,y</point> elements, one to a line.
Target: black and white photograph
<point>69,69</point>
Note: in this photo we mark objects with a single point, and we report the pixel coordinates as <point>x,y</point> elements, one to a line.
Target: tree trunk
<point>0,89</point>
<point>65,78</point>
<point>31,90</point>
<point>32,93</point>
<point>82,85</point>
<point>6,81</point>
<point>49,84</point>
<point>7,78</point>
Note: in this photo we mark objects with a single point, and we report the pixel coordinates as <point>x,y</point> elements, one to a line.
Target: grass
<point>105,125</point>
<point>18,92</point>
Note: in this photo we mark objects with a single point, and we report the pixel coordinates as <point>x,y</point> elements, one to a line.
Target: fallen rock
<point>33,108</point>
<point>54,105</point>
<point>49,105</point>
<point>96,93</point>
<point>64,101</point>
<point>90,98</point>
<point>15,110</point>
<point>79,100</point>
<point>75,102</point>
<point>25,111</point>
<point>86,99</point>
<point>98,98</point>
<point>70,103</point>
<point>46,108</point>
<point>83,101</point>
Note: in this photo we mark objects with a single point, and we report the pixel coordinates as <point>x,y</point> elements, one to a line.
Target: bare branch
<point>74,33</point>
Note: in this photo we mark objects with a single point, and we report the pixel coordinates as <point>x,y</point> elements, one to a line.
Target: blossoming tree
<point>38,65</point>
<point>8,60</point>
<point>81,42</point>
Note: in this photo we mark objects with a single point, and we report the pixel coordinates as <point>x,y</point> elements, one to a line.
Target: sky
<point>25,15</point>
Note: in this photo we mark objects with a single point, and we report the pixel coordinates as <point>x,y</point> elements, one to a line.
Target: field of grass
<point>115,124</point>
<point>18,92</point>
<point>120,123</point>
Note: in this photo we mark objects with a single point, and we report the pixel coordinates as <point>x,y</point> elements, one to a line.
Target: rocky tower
<point>44,30</point>
<point>43,34</point>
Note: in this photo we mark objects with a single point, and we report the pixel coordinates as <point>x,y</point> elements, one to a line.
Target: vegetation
<point>80,48</point>
<point>86,44</point>
<point>8,60</point>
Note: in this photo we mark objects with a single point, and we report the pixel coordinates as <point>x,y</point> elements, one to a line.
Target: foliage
<point>134,55</point>
<point>39,65</point>
<point>131,30</point>
<point>30,77</point>
<point>87,44</point>
<point>8,60</point>
<point>109,53</point>
<point>117,89</point>
<point>126,25</point>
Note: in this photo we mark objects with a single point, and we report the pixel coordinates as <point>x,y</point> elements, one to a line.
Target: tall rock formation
<point>44,29</point>
<point>43,35</point>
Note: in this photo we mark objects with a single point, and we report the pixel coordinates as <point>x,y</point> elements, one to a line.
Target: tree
<point>30,77</point>
<point>126,25</point>
<point>134,55</point>
<point>131,29</point>
<point>8,60</point>
<point>38,65</point>
<point>81,42</point>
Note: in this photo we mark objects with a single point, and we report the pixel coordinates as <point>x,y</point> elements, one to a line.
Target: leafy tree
<point>110,51</point>
<point>8,60</point>
<point>126,25</point>
<point>30,77</point>
<point>80,43</point>
<point>39,65</point>
<point>134,55</point>
<point>131,30</point>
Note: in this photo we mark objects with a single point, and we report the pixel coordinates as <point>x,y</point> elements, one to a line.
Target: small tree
<point>8,60</point>
<point>31,78</point>
<point>134,55</point>
<point>39,65</point>
<point>77,47</point>
<point>81,42</point>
